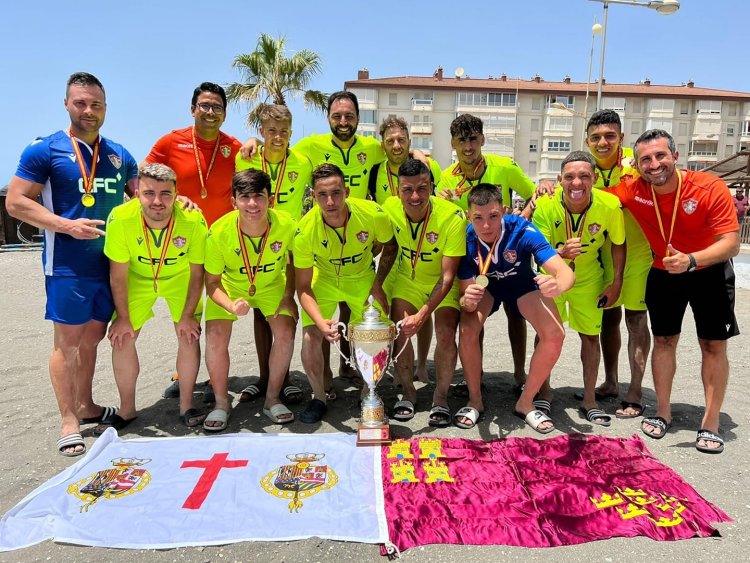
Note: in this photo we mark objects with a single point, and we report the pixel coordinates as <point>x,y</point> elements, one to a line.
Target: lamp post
<point>664,7</point>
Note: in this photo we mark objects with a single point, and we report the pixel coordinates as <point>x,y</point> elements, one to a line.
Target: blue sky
<point>151,54</point>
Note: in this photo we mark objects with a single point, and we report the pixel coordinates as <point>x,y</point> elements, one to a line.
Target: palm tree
<point>268,75</point>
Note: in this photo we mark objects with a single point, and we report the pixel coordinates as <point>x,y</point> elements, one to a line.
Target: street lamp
<point>664,7</point>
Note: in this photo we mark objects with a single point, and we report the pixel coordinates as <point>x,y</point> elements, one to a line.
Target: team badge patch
<point>689,206</point>
<point>179,242</point>
<point>510,256</point>
<point>115,160</point>
<point>594,228</point>
<point>276,246</point>
<point>225,151</point>
<point>292,176</point>
<point>362,236</point>
<point>125,477</point>
<point>431,237</point>
<point>299,480</point>
<point>362,157</point>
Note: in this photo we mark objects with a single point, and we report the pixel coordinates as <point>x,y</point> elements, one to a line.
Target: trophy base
<point>373,435</point>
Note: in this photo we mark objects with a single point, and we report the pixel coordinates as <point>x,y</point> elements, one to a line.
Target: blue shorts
<point>509,290</point>
<point>75,300</point>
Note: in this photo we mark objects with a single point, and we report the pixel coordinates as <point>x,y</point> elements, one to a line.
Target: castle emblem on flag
<point>299,480</point>
<point>125,477</point>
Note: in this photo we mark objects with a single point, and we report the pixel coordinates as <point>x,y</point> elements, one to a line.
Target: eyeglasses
<point>205,108</point>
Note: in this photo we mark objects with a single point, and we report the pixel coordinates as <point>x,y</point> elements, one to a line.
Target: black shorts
<point>708,291</point>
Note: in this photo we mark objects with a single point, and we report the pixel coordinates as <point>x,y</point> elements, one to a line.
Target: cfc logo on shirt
<point>109,185</point>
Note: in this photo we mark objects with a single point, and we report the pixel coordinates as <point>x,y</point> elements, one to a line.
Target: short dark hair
<point>578,156</point>
<point>393,121</point>
<point>412,167</point>
<point>251,181</point>
<point>652,135</point>
<point>482,194</point>
<point>82,79</point>
<point>327,171</point>
<point>343,95</point>
<point>466,125</point>
<point>604,117</point>
<point>209,87</point>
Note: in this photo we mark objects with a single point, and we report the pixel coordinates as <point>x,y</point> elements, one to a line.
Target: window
<point>365,133</point>
<point>682,129</point>
<point>731,129</point>
<point>367,116</point>
<point>635,128</point>
<point>502,145</point>
<point>495,99</point>
<point>637,107</point>
<point>497,121</point>
<point>559,124</point>
<point>558,146</point>
<point>711,107</point>
<point>746,127</point>
<point>536,103</point>
<point>731,110</point>
<point>535,124</point>
<point>665,124</point>
<point>661,105</point>
<point>684,108</point>
<point>422,142</point>
<point>421,99</point>
<point>617,104</point>
<point>392,99</point>
<point>703,148</point>
<point>567,101</point>
<point>698,164</point>
<point>534,146</point>
<point>364,95</point>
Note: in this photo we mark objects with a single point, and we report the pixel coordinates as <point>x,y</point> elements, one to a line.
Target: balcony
<point>421,128</point>
<point>418,104</point>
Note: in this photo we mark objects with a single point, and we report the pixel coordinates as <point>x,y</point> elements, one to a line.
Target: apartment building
<point>537,122</point>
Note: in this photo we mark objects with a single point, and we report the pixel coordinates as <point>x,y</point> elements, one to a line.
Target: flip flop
<point>314,411</point>
<point>106,413</point>
<point>404,405</point>
<point>292,394</point>
<point>252,392</point>
<point>543,405</point>
<point>596,416</point>
<point>467,412</point>
<point>115,421</point>
<point>535,419</point>
<point>71,441</point>
<point>440,416</point>
<point>628,405</point>
<point>216,415</point>
<point>659,422</point>
<point>277,411</point>
<point>708,436</point>
<point>192,418</point>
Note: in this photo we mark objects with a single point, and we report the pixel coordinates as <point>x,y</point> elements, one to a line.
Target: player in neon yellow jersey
<point>456,181</point>
<point>333,258</point>
<point>156,249</point>
<point>577,221</point>
<point>290,179</point>
<point>383,184</point>
<point>249,272</point>
<point>431,235</point>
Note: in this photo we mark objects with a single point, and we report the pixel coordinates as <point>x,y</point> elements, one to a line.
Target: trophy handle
<point>348,361</point>
<point>398,331</point>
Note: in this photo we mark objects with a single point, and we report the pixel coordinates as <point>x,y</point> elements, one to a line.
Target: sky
<point>151,54</point>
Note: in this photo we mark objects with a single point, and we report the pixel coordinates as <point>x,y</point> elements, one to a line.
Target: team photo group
<point>221,229</point>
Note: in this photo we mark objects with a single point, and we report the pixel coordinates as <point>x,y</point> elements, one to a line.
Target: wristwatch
<point>693,264</point>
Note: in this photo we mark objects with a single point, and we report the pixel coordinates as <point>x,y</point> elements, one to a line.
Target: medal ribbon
<point>279,175</point>
<point>460,188</point>
<point>251,272</point>
<point>484,265</point>
<point>389,175</point>
<point>164,247</point>
<point>204,192</point>
<point>342,240</point>
<point>88,179</point>
<point>414,259</point>
<point>668,241</point>
<point>569,227</point>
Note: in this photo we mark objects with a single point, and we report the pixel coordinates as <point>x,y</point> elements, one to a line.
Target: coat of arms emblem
<point>299,480</point>
<point>125,477</point>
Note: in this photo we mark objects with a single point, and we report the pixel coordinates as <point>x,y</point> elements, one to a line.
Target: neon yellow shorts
<point>398,286</point>
<point>352,291</point>
<point>578,307</point>
<point>266,299</point>
<point>638,262</point>
<point>141,298</point>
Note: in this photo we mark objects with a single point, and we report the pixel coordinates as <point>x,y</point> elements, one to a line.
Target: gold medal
<point>251,291</point>
<point>482,281</point>
<point>88,200</point>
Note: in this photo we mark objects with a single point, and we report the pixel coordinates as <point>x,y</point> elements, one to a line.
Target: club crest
<point>594,228</point>
<point>276,246</point>
<point>362,157</point>
<point>362,236</point>
<point>689,206</point>
<point>179,242</point>
<point>292,176</point>
<point>115,160</point>
<point>431,237</point>
<point>125,477</point>
<point>510,256</point>
<point>299,480</point>
<point>225,151</point>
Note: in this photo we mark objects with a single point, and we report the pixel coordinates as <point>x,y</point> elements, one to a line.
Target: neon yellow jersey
<point>499,170</point>
<point>126,241</point>
<point>224,256</point>
<point>603,221</point>
<point>355,161</point>
<point>444,235</point>
<point>289,180</point>
<point>385,189</point>
<point>339,253</point>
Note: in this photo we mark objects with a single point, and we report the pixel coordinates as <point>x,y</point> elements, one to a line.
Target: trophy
<point>371,341</point>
